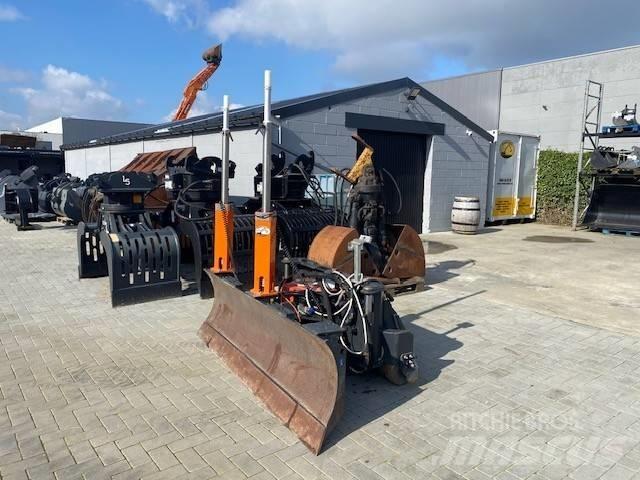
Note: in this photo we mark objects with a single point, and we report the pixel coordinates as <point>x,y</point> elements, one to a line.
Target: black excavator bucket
<point>297,371</point>
<point>615,203</point>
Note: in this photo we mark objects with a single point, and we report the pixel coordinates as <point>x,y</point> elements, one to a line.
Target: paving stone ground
<point>507,391</point>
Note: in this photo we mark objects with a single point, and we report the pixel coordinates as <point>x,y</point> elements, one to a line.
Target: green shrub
<point>556,187</point>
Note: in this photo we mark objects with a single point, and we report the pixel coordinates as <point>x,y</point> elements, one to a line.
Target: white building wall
<point>159,144</point>
<point>52,126</point>
<point>245,150</point>
<point>75,163</point>
<point>98,160</point>
<point>122,153</point>
<point>547,98</point>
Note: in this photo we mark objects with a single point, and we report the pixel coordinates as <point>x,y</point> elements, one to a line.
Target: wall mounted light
<point>413,94</point>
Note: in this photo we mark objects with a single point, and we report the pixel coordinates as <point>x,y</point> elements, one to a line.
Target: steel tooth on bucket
<point>292,371</point>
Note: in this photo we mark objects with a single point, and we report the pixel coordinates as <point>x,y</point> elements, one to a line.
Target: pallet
<point>66,221</point>
<point>411,285</point>
<point>613,130</point>
<point>628,233</point>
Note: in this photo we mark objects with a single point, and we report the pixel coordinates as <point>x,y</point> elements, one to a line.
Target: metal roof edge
<point>251,116</point>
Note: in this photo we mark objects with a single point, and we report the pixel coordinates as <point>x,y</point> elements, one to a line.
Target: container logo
<point>507,149</point>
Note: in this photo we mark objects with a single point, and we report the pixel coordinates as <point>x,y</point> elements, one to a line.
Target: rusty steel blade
<point>407,257</point>
<point>291,370</point>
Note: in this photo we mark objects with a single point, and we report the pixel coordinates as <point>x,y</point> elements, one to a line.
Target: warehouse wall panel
<point>546,98</point>
<point>98,159</point>
<point>122,153</point>
<point>75,163</point>
<point>477,95</point>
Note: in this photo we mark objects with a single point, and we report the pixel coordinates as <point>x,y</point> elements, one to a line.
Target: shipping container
<point>513,163</point>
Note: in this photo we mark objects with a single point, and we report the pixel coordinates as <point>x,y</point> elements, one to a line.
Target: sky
<point>129,60</point>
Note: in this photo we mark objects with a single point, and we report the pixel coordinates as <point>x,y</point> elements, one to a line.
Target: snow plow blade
<point>297,372</point>
<point>615,204</point>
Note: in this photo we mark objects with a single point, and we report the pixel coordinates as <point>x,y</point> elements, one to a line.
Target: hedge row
<point>556,187</point>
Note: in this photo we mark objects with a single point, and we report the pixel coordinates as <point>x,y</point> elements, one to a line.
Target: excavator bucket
<point>615,203</point>
<point>407,257</point>
<point>297,371</point>
<point>213,54</point>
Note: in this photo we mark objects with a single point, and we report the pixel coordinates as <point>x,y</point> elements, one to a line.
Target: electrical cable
<point>397,189</point>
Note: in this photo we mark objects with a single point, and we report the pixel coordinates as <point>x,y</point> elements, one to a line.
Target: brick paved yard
<point>518,379</point>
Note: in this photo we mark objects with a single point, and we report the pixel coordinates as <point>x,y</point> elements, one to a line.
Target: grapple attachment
<point>298,372</point>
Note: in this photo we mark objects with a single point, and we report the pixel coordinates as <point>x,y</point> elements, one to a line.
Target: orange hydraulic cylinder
<point>264,251</point>
<point>222,238</point>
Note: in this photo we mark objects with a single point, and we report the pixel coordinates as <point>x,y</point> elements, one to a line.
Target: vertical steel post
<point>223,214</point>
<point>224,197</point>
<point>266,148</point>
<point>265,235</point>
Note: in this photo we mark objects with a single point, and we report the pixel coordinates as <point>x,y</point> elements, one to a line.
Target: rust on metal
<point>330,248</point>
<point>407,257</point>
<point>292,371</point>
<point>156,162</point>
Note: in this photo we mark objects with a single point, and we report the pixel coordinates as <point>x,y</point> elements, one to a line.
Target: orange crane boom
<point>213,57</point>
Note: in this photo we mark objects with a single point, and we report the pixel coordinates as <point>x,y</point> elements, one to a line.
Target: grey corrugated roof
<point>251,116</point>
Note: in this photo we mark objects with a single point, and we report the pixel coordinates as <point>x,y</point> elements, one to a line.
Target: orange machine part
<point>222,238</point>
<point>264,260</point>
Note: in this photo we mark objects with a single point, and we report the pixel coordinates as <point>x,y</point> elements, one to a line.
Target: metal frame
<point>592,110</point>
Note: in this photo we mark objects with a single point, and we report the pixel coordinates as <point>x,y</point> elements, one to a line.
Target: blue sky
<point>130,59</point>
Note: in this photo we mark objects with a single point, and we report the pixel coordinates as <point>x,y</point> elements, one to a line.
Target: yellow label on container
<point>504,206</point>
<point>525,206</point>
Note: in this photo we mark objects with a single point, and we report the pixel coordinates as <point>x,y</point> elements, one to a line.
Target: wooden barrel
<point>465,215</point>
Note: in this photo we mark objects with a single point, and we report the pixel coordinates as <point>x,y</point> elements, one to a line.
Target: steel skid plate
<point>143,265</point>
<point>293,371</point>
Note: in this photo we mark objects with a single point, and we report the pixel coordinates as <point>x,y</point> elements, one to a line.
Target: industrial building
<point>52,134</point>
<point>546,98</point>
<point>432,150</point>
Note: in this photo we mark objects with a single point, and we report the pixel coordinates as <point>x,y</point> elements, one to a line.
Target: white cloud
<point>202,106</point>
<point>72,94</point>
<point>387,38</point>
<point>10,121</point>
<point>9,13</point>
<point>13,75</point>
<point>188,12</point>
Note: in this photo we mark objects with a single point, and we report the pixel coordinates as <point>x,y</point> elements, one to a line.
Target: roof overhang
<point>391,124</point>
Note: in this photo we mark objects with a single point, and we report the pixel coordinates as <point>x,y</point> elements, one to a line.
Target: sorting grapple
<point>142,260</point>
